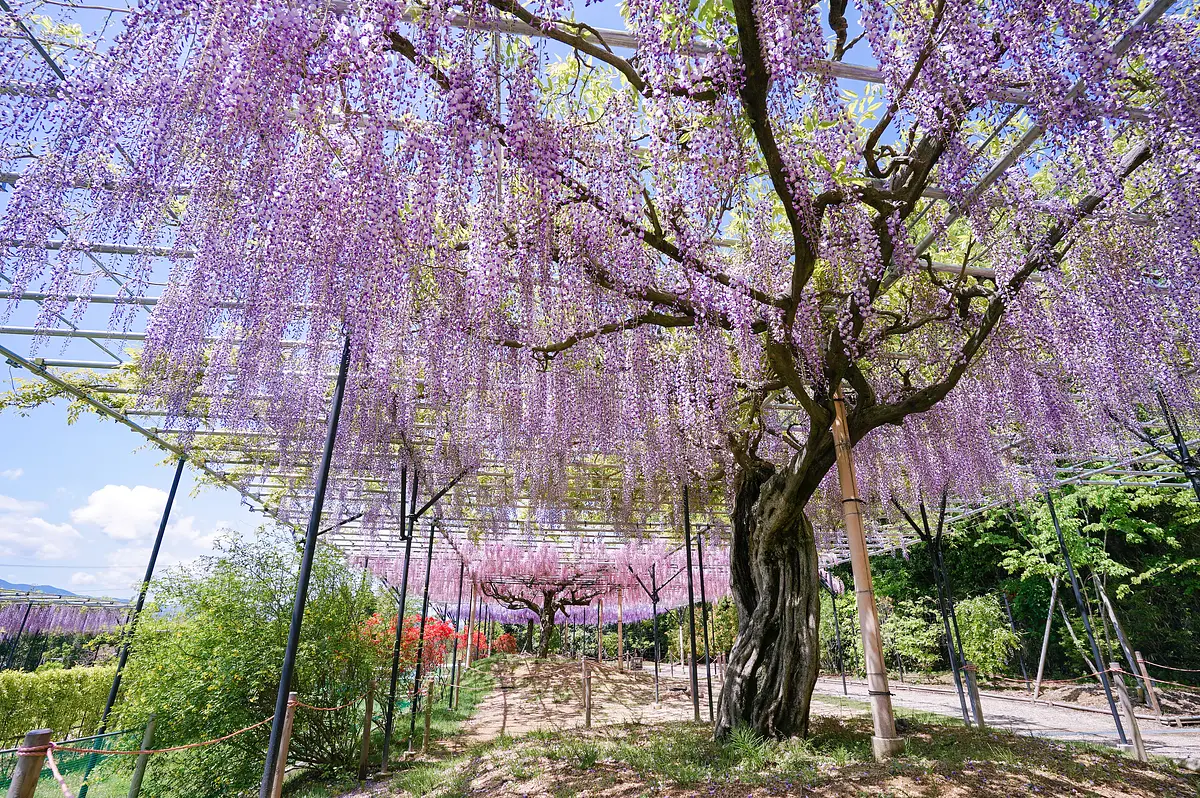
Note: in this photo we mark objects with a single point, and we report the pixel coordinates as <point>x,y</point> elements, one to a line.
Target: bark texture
<point>773,666</point>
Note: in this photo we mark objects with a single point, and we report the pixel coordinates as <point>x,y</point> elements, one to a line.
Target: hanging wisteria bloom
<point>587,274</point>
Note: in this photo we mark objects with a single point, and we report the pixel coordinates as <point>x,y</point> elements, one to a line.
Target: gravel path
<point>1025,717</point>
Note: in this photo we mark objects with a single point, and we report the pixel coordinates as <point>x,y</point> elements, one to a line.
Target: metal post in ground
<point>837,634</point>
<point>16,640</point>
<point>1151,691</point>
<point>620,631</point>
<point>704,624</point>
<point>462,570</point>
<point>1087,625</point>
<point>885,742</point>
<point>306,561</point>
<point>401,601</point>
<point>1037,684</point>
<point>1020,649</point>
<point>687,547</point>
<point>412,721</point>
<point>654,611</point>
<point>131,624</point>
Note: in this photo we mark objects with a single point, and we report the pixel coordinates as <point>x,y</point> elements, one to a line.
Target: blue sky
<point>80,504</point>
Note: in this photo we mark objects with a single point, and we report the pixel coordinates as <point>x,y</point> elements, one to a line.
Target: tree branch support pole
<point>620,630</point>
<point>412,715</point>
<point>973,687</point>
<point>884,743</point>
<point>1151,690</point>
<point>29,764</point>
<point>364,755</point>
<point>687,547</point>
<point>1087,625</point>
<point>470,626</point>
<point>1126,649</point>
<point>139,767</point>
<point>289,720</point>
<point>462,570</point>
<point>306,562</point>
<point>390,715</point>
<point>704,626</point>
<point>1139,747</point>
<point>131,625</point>
<point>1037,684</point>
<point>600,630</point>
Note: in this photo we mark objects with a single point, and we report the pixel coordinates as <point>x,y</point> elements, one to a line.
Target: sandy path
<point>1039,720</point>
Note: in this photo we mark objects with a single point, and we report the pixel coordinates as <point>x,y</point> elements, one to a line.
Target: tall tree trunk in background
<point>773,665</point>
<point>549,609</point>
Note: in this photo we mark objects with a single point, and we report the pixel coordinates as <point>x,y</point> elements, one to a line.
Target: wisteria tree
<point>545,597</point>
<point>973,220</point>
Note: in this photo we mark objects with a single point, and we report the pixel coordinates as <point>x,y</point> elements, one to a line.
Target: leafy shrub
<point>211,666</point>
<point>505,644</point>
<point>69,701</point>
<point>987,639</point>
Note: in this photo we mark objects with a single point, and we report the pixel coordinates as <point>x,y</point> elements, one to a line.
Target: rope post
<point>1151,691</point>
<point>587,693</point>
<point>30,758</point>
<point>973,689</point>
<point>364,756</point>
<point>885,743</point>
<point>285,740</point>
<point>139,768</point>
<point>1118,681</point>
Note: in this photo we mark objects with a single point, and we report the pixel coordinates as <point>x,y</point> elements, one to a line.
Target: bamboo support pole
<point>285,740</point>
<point>1037,684</point>
<point>1151,690</point>
<point>29,764</point>
<point>1118,681</point>
<point>139,767</point>
<point>600,630</point>
<point>620,631</point>
<point>884,743</point>
<point>364,755</point>
<point>470,626</point>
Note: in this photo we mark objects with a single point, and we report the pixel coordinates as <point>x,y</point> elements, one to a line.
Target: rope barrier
<point>349,703</point>
<point>230,736</point>
<point>1171,668</point>
<point>1190,687</point>
<point>62,783</point>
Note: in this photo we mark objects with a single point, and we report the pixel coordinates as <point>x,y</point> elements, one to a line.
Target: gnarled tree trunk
<point>775,585</point>
<point>549,609</point>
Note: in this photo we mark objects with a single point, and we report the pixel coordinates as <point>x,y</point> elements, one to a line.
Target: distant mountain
<point>57,591</point>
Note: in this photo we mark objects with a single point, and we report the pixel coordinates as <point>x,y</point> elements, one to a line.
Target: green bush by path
<point>69,701</point>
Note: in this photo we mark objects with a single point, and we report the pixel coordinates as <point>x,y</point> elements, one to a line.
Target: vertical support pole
<point>600,630</point>
<point>289,720</point>
<point>462,570</point>
<point>1139,747</point>
<point>1087,625</point>
<point>139,767</point>
<point>1151,690</point>
<point>30,758</point>
<point>470,625</point>
<point>402,600</point>
<point>131,625</point>
<point>586,678</point>
<point>306,561</point>
<point>946,609</point>
<point>687,547</point>
<point>973,687</point>
<point>837,634</point>
<point>412,715</point>
<point>428,714</point>
<point>884,743</point>
<point>620,630</point>
<point>654,611</point>
<point>364,755</point>
<point>16,641</point>
<point>1126,649</point>
<point>704,625</point>
<point>1020,652</point>
<point>1037,684</point>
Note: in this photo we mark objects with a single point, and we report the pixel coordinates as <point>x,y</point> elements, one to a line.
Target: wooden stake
<point>285,739</point>
<point>1151,690</point>
<point>29,766</point>
<point>365,754</point>
<point>620,631</point>
<point>973,689</point>
<point>1118,680</point>
<point>470,625</point>
<point>587,693</point>
<point>139,768</point>
<point>885,743</point>
<point>1037,685</point>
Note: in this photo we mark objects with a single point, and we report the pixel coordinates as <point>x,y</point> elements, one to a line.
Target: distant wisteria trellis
<point>42,619</point>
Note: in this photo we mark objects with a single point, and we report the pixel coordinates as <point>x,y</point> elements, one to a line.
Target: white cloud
<point>23,534</point>
<point>81,579</point>
<point>123,513</point>
<point>12,473</point>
